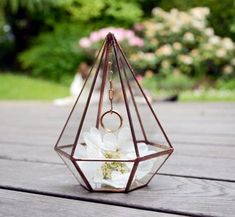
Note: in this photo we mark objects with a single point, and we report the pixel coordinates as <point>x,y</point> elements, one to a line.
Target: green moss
<point>109,167</point>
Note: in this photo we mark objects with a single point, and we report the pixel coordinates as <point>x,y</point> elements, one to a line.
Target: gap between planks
<point>177,194</point>
<point>27,204</point>
<point>141,209</point>
<point>159,173</point>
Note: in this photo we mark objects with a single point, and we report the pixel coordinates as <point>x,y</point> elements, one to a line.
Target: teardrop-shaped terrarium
<point>109,144</point>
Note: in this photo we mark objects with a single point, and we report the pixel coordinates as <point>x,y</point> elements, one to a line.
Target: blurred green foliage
<point>53,55</point>
<point>226,85</point>
<point>46,32</point>
<point>176,83</point>
<point>107,11</point>
<point>41,36</point>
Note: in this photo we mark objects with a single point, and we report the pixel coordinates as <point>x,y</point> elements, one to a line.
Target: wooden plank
<point>218,129</point>
<point>31,121</point>
<point>35,138</point>
<point>186,107</point>
<point>196,156</point>
<point>28,132</point>
<point>172,194</point>
<point>195,160</point>
<point>21,151</point>
<point>46,116</point>
<point>42,124</point>
<point>21,204</point>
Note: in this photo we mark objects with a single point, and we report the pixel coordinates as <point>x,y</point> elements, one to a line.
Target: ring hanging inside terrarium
<point>113,142</point>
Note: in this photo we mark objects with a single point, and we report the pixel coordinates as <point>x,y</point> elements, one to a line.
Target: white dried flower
<point>148,56</point>
<point>176,72</point>
<point>174,12</point>
<point>184,17</point>
<point>233,61</point>
<point>227,43</point>
<point>198,24</point>
<point>186,59</point>
<point>208,46</point>
<point>188,36</point>
<point>200,12</point>
<point>227,69</point>
<point>177,46</point>
<point>107,147</point>
<point>221,52</point>
<point>165,64</point>
<point>194,53</point>
<point>176,28</point>
<point>158,11</point>
<point>214,39</point>
<point>209,32</point>
<point>164,50</point>
<point>159,26</point>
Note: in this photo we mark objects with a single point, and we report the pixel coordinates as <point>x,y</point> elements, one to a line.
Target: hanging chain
<point>111,94</point>
<point>110,82</point>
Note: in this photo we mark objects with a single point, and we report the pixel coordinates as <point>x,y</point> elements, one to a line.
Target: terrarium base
<point>132,183</point>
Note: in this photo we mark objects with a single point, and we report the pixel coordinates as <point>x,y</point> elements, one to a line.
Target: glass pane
<point>144,118</point>
<point>70,130</point>
<point>67,149</point>
<point>73,169</point>
<point>109,176</point>
<point>145,171</point>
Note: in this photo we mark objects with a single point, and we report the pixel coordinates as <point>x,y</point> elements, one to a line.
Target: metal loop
<point>111,112</point>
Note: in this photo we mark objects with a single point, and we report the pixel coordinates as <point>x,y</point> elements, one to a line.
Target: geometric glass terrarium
<point>114,141</point>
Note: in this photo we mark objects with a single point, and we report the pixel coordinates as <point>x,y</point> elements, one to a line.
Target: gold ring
<point>111,112</point>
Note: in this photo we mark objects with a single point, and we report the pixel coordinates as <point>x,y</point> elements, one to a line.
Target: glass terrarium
<point>114,141</point>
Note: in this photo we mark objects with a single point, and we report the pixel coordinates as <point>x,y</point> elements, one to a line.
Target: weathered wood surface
<point>198,180</point>
<point>36,205</point>
<point>166,193</point>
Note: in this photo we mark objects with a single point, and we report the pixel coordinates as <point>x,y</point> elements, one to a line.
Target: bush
<point>181,42</point>
<point>171,82</point>
<point>53,55</point>
<point>221,18</point>
<point>226,84</point>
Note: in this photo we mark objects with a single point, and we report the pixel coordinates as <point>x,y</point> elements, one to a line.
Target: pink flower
<point>138,27</point>
<point>135,41</point>
<point>95,36</point>
<point>103,32</point>
<point>85,42</point>
<point>129,34</point>
<point>120,33</point>
<point>139,78</point>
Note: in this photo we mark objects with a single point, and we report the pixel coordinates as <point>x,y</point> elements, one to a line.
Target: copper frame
<point>122,66</point>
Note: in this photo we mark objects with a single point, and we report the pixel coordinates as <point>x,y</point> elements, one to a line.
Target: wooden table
<point>198,179</point>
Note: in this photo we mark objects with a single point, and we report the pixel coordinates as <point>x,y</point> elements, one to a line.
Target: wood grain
<point>171,194</point>
<point>200,161</point>
<point>19,204</point>
<point>203,135</point>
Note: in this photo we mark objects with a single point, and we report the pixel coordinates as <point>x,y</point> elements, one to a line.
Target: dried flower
<point>111,146</point>
<point>188,36</point>
<point>221,52</point>
<point>187,60</point>
<point>177,46</point>
<point>165,50</point>
<point>227,69</point>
